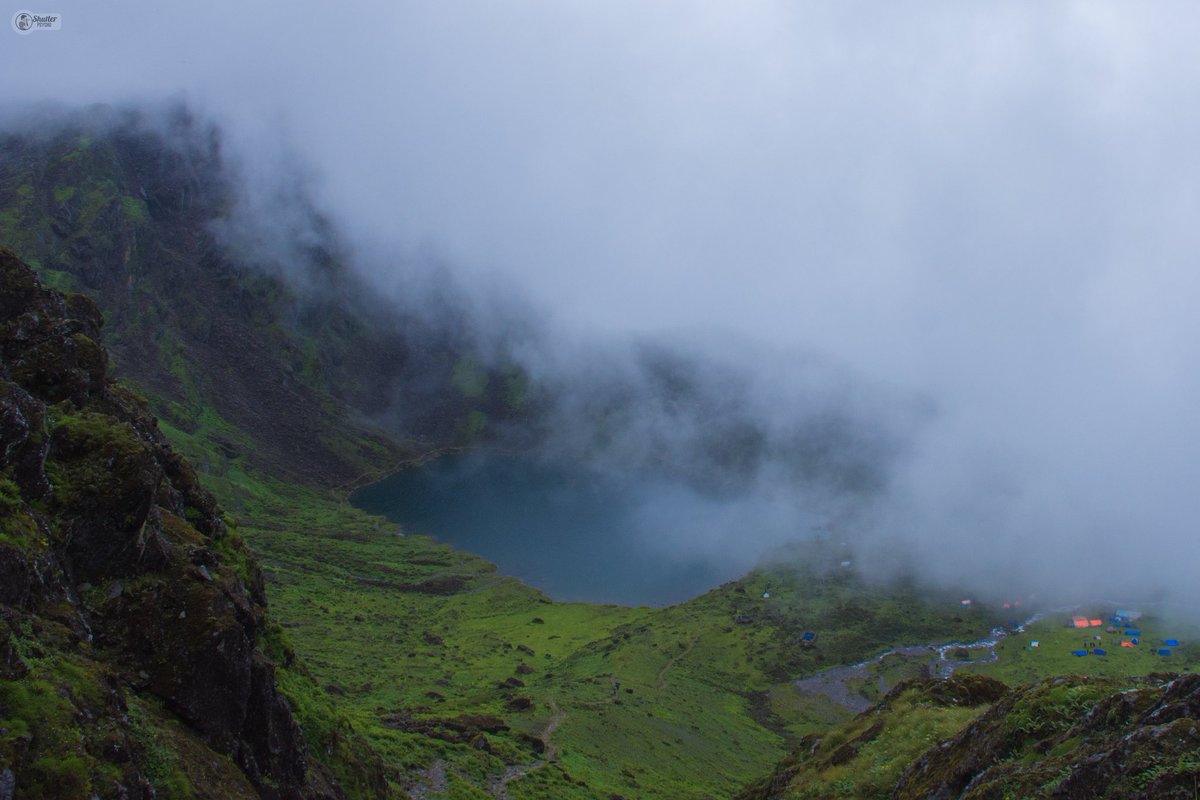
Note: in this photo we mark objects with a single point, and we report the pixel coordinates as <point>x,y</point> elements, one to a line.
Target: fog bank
<point>981,219</point>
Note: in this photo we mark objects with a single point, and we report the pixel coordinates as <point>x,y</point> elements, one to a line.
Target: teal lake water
<point>574,533</point>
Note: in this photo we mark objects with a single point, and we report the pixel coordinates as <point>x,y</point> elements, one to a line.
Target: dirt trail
<point>556,719</point>
<point>498,784</point>
<point>432,781</point>
<point>662,673</point>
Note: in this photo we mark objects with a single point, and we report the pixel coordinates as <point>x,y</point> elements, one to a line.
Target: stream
<point>835,682</point>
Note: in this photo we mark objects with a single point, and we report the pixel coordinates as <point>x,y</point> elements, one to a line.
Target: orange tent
<point>1079,622</point>
<point>1127,644</point>
<point>1095,623</point>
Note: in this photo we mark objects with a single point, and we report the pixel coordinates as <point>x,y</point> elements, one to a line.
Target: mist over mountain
<point>949,251</point>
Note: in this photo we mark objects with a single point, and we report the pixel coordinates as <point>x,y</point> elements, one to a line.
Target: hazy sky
<point>993,204</point>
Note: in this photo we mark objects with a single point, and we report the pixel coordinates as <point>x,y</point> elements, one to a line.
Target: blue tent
<point>1135,641</point>
<point>1164,652</point>
<point>1171,642</point>
<point>1079,652</point>
<point>1132,632</point>
<point>1100,652</point>
<point>809,636</point>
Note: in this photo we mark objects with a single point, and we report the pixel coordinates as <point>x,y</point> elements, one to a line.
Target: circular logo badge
<point>23,22</point>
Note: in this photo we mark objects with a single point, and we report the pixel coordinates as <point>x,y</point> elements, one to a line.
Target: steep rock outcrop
<point>121,586</point>
<point>1072,737</point>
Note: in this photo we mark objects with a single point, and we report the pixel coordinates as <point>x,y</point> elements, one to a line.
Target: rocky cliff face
<point>1072,737</point>
<point>1064,737</point>
<point>130,611</point>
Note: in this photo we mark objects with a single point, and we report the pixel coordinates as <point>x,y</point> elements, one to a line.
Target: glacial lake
<point>573,532</point>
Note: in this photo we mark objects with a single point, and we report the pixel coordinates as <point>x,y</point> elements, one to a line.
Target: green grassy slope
<point>429,652</point>
<point>867,756</point>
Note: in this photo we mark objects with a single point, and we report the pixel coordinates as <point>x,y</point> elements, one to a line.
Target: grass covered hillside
<point>471,684</point>
<point>465,680</point>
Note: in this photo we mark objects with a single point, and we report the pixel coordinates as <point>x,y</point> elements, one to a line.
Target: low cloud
<point>981,218</point>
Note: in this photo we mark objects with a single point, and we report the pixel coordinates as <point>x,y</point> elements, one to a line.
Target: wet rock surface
<point>112,552</point>
<point>1071,737</point>
<point>1062,737</point>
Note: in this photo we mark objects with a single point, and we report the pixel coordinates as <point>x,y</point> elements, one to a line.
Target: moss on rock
<point>120,585</point>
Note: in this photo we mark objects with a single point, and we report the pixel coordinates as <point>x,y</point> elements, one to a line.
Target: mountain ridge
<point>128,207</point>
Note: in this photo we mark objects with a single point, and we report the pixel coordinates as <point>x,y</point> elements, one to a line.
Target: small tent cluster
<point>1120,623</point>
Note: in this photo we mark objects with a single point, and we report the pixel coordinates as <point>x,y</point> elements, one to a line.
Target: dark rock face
<point>1071,737</point>
<point>51,344</point>
<point>23,449</point>
<point>109,536</point>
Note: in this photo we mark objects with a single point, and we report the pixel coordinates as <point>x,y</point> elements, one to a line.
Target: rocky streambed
<point>845,685</point>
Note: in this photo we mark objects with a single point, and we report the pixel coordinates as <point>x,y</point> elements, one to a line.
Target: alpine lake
<point>575,532</point>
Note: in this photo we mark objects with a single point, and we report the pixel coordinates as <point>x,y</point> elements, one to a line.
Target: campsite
<point>1051,643</point>
<point>1109,650</point>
